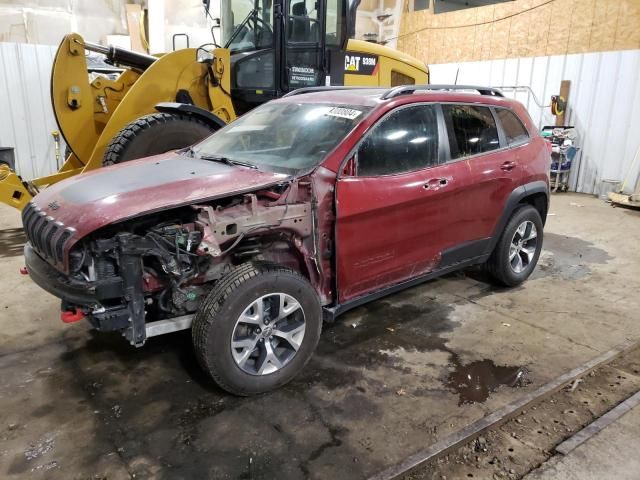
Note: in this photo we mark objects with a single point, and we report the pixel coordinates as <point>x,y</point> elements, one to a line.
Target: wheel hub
<point>267,331</point>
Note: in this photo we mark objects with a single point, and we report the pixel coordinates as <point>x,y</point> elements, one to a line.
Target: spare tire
<point>154,134</point>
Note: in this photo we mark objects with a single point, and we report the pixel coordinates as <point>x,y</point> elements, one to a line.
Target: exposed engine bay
<point>161,266</point>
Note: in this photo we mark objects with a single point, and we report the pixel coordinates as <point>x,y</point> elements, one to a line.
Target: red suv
<point>301,209</point>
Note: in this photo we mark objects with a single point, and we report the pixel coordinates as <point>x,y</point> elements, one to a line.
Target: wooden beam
<point>565,87</point>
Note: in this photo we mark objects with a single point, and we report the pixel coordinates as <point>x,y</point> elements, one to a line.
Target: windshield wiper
<point>227,160</point>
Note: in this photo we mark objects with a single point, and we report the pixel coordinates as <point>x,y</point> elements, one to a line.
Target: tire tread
<point>119,143</point>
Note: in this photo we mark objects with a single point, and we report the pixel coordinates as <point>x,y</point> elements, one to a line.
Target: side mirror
<point>349,168</point>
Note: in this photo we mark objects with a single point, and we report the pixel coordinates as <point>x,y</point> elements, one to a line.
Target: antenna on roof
<point>457,72</point>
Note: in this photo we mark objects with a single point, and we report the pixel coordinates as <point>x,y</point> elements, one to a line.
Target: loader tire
<point>154,134</point>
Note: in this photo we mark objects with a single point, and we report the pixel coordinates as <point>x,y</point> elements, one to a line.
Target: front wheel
<point>518,249</point>
<point>257,328</point>
<point>154,134</point>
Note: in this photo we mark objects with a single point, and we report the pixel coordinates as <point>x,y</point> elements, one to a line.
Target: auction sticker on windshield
<point>341,112</point>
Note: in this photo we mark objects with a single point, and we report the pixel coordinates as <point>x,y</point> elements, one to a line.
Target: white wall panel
<point>26,116</point>
<point>604,104</point>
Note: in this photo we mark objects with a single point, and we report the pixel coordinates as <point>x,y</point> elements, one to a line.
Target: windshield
<point>247,24</point>
<point>284,137</point>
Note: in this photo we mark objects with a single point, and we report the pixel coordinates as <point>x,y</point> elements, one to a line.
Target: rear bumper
<point>56,282</point>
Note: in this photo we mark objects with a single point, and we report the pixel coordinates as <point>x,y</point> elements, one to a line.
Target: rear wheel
<point>154,134</point>
<point>257,328</point>
<point>518,248</point>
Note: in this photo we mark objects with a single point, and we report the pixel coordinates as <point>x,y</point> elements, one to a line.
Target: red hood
<point>108,195</point>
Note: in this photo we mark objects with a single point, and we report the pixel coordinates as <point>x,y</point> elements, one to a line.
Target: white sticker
<point>349,113</point>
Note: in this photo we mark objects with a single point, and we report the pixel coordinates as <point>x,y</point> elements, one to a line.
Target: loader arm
<point>172,73</point>
<point>89,113</point>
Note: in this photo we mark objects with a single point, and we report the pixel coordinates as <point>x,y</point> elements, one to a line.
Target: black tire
<point>154,134</point>
<point>215,321</point>
<point>499,265</point>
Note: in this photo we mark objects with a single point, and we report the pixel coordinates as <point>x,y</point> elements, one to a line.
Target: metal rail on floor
<point>500,416</point>
<point>597,425</point>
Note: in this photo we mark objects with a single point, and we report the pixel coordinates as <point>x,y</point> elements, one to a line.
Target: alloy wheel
<point>268,334</point>
<point>523,246</point>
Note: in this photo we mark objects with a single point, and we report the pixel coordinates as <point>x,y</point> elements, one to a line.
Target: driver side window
<point>404,141</point>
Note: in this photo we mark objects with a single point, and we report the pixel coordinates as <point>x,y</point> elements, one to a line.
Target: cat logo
<point>360,64</point>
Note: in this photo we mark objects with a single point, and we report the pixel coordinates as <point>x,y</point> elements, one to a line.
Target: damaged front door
<point>389,220</point>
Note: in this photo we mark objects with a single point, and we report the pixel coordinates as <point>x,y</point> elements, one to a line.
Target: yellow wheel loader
<point>163,103</point>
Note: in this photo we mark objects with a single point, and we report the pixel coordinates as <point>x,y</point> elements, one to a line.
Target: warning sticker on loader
<point>360,64</point>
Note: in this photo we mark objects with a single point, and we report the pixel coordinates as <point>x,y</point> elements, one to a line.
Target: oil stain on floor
<point>474,382</point>
<point>568,257</point>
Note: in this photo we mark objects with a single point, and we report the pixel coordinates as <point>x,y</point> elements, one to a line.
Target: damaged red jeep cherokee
<point>300,210</point>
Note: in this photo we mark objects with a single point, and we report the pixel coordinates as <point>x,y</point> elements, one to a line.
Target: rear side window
<point>513,128</point>
<point>471,130</point>
<point>405,140</point>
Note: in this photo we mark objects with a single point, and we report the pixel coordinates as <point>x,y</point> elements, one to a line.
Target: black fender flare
<point>515,198</point>
<point>188,109</point>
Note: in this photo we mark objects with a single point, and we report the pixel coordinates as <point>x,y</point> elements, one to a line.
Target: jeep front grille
<point>47,236</point>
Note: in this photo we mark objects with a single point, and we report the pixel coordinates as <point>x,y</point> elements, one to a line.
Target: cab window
<point>405,140</point>
<point>303,21</point>
<point>336,14</point>
<point>252,25</point>
<point>471,129</point>
<point>398,78</point>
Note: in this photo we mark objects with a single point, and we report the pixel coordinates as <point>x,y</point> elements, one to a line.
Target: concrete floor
<point>383,384</point>
<point>612,453</point>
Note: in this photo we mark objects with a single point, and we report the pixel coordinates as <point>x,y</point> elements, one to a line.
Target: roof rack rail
<point>406,89</point>
<point>302,90</point>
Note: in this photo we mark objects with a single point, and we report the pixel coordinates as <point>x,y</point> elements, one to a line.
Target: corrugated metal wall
<point>604,104</point>
<point>26,116</point>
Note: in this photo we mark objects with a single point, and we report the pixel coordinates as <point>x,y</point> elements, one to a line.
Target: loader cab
<point>280,45</point>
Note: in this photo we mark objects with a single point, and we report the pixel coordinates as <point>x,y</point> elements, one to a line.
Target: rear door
<point>389,213</point>
<point>475,137</point>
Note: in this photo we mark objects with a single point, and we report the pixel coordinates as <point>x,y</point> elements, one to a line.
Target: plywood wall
<point>522,28</point>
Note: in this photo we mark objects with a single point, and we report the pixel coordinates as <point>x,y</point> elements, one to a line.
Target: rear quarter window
<point>514,130</point>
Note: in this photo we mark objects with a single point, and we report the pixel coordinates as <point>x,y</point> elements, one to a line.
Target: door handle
<point>436,183</point>
<point>508,166</point>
